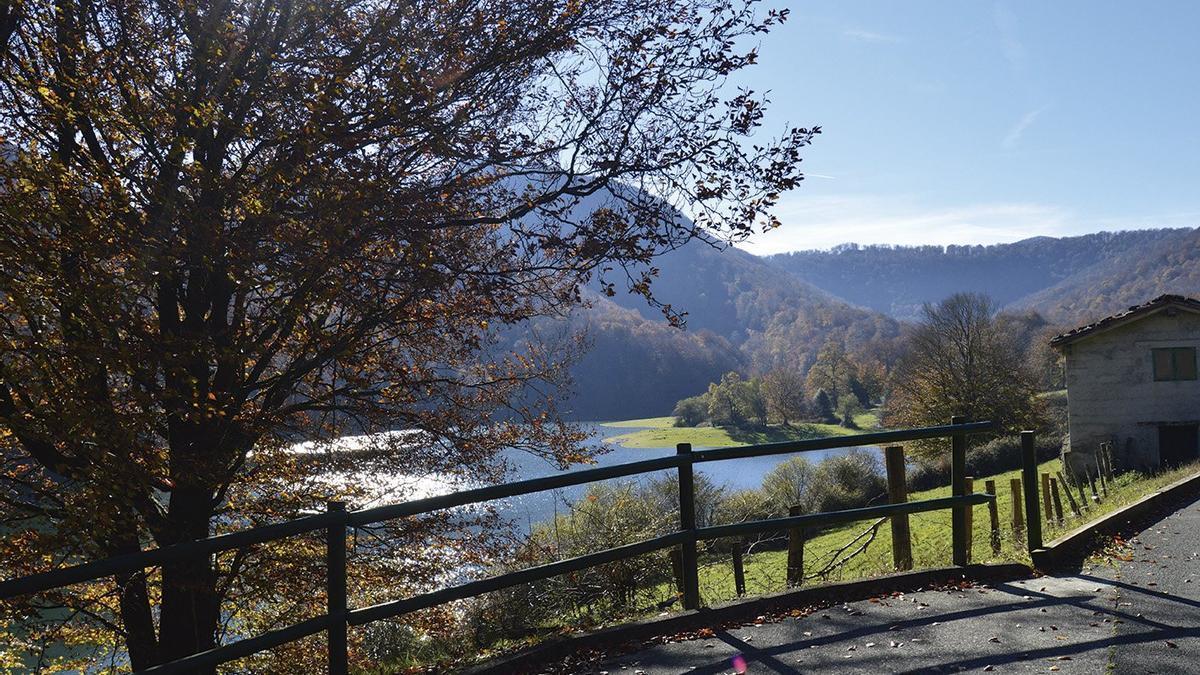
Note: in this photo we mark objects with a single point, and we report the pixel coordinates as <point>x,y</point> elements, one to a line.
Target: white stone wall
<point>1112,395</point>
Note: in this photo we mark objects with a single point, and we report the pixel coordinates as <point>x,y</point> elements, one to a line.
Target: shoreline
<point>660,432</point>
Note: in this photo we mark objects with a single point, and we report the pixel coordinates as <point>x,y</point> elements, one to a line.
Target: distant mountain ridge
<point>1067,279</point>
<point>752,314</point>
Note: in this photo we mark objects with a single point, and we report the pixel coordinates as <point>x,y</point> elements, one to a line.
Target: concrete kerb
<point>528,660</point>
<point>1072,548</point>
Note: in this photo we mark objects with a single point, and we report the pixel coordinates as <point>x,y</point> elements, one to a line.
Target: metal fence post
<point>687,523</point>
<point>1029,469</point>
<point>958,487</point>
<point>335,579</point>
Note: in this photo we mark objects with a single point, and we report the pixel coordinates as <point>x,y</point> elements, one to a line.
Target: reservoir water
<point>528,510</point>
<point>734,474</point>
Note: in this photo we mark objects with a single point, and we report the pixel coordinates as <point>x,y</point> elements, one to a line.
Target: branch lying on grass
<point>834,562</point>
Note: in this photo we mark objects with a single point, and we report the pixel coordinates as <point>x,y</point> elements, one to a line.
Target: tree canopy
<point>226,227</point>
<point>961,360</point>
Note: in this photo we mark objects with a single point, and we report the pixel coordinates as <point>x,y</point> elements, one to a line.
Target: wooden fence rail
<point>336,520</point>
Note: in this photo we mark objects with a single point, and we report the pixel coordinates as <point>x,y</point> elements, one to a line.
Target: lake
<point>734,474</point>
<point>527,510</point>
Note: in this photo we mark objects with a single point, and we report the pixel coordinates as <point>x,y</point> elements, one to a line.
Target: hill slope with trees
<point>1067,279</point>
<point>756,315</point>
<point>740,314</point>
<point>1131,277</point>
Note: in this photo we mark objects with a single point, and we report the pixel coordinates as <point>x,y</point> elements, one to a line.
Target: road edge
<point>528,660</point>
<point>1072,548</point>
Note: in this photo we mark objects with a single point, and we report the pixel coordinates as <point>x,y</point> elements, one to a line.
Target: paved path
<point>1140,615</point>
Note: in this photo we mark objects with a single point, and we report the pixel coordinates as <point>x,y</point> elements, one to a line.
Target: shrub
<point>996,456</point>
<point>846,481</point>
<point>607,516</point>
<point>787,485</point>
<point>744,506</point>
<point>662,494</point>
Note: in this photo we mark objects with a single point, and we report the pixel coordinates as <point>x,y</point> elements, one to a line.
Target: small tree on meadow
<point>691,411</point>
<point>823,408</point>
<point>784,392</point>
<point>788,484</point>
<point>959,361</point>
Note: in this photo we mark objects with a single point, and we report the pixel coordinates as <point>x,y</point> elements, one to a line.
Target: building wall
<point>1112,395</point>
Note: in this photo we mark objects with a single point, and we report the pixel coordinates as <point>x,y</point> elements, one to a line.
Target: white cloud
<point>871,36</point>
<point>823,222</point>
<point>1019,128</point>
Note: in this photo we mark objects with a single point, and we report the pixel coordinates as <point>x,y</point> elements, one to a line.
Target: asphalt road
<point>1137,612</point>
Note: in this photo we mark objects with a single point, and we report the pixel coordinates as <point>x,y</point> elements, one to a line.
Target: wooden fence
<point>337,519</point>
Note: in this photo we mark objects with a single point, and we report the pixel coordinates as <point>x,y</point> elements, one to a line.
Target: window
<point>1174,363</point>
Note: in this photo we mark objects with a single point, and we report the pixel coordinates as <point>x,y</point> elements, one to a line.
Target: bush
<point>662,495</point>
<point>846,481</point>
<point>744,506</point>
<point>788,485</point>
<point>996,456</point>
<point>608,515</point>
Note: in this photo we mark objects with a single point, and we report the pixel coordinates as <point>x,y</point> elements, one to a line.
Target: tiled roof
<point>1133,313</point>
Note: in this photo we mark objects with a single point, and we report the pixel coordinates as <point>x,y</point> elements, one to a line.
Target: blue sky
<point>975,122</point>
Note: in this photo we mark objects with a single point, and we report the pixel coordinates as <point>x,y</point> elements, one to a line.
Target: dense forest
<point>741,314</point>
<point>756,315</point>
<point>1068,279</point>
<point>1129,277</point>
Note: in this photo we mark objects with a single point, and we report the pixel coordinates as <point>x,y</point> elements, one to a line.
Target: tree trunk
<point>136,614</point>
<point>190,609</point>
<point>140,638</point>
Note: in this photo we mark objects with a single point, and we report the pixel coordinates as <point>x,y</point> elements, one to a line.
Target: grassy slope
<point>661,432</point>
<point>765,571</point>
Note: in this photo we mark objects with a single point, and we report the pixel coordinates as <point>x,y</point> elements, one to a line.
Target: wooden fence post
<point>1083,503</point>
<point>970,481</point>
<point>1033,519</point>
<point>335,588</point>
<point>1018,519</point>
<point>958,487</point>
<point>687,523</point>
<point>898,494</point>
<point>795,551</point>
<point>1046,506</point>
<point>739,570</point>
<point>1106,455</point>
<point>1100,474</point>
<point>1092,483</point>
<point>1067,490</point>
<point>1058,514</point>
<point>676,557</point>
<point>993,515</point>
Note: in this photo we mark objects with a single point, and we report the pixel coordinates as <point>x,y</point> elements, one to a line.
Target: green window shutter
<point>1163,367</point>
<point>1185,363</point>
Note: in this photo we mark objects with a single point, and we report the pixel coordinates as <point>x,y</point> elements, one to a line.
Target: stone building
<point>1131,380</point>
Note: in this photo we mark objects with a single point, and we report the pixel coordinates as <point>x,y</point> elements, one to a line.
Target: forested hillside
<point>1130,277</point>
<point>741,314</point>
<point>775,318</point>
<point>754,315</point>
<point>897,280</point>
<point>632,366</point>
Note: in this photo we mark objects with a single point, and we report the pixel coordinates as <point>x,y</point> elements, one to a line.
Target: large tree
<point>961,360</point>
<point>229,225</point>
